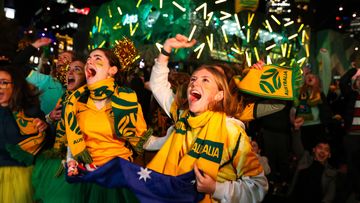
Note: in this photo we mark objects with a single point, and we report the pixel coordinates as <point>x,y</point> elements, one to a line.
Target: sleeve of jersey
<point>251,184</point>
<point>160,86</point>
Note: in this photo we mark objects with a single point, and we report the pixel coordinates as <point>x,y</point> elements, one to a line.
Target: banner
<point>271,81</point>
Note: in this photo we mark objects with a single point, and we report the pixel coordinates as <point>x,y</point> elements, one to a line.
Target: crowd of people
<point>240,147</point>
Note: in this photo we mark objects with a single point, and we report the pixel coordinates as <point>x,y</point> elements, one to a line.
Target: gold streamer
<point>126,52</point>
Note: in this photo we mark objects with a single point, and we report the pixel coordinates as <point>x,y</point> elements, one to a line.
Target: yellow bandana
<point>271,81</point>
<point>128,119</point>
<point>32,140</point>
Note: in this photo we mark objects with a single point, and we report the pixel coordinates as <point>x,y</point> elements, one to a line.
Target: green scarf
<point>32,140</point>
<point>127,117</point>
<point>59,148</point>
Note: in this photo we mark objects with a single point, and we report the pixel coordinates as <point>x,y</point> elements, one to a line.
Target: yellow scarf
<point>197,139</point>
<point>271,81</point>
<point>223,151</point>
<point>32,140</point>
<point>60,139</point>
<point>59,149</point>
<point>128,119</point>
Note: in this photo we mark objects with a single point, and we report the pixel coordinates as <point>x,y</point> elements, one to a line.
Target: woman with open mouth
<point>22,135</point>
<point>103,121</point>
<point>49,184</point>
<point>206,137</point>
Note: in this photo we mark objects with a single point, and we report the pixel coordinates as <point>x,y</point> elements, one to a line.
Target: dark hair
<point>24,94</point>
<point>323,139</point>
<point>120,76</point>
<point>355,55</point>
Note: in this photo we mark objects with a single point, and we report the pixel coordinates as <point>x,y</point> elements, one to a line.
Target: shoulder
<point>235,127</point>
<point>36,76</point>
<point>237,137</point>
<point>232,122</point>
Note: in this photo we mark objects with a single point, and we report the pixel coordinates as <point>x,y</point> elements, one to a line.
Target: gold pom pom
<point>60,73</point>
<point>127,53</point>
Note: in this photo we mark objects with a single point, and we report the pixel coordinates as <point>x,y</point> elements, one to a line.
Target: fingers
<point>56,113</point>
<point>181,38</point>
<point>258,65</point>
<point>40,124</point>
<point>197,171</point>
<point>180,41</point>
<point>72,168</point>
<point>298,122</point>
<point>42,42</point>
<point>204,182</point>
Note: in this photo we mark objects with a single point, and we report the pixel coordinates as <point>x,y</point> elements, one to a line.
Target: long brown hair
<point>224,105</point>
<point>25,95</point>
<point>239,99</point>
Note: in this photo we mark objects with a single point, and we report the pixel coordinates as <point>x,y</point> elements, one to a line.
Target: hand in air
<point>258,65</point>
<point>204,183</point>
<point>44,41</point>
<point>179,41</point>
<point>298,122</point>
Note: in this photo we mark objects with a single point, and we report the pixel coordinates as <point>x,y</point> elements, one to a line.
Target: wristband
<point>165,52</point>
<point>48,119</point>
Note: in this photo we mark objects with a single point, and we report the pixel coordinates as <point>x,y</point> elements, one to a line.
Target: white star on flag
<point>144,174</point>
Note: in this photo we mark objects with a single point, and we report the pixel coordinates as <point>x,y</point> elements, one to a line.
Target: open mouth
<point>90,72</point>
<point>71,81</point>
<point>195,95</point>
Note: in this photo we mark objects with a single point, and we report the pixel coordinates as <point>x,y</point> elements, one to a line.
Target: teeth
<point>195,94</point>
<point>194,91</point>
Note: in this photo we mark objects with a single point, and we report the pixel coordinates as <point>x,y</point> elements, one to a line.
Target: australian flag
<point>148,186</point>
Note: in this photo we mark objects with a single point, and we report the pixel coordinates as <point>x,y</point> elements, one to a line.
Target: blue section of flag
<point>148,186</point>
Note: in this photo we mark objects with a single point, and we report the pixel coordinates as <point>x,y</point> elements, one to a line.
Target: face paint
<point>97,67</point>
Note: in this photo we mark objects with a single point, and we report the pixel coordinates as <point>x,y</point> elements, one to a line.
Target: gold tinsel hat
<point>126,52</point>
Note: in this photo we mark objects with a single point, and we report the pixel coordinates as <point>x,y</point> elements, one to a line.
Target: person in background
<point>263,159</point>
<point>206,139</point>
<point>51,86</point>
<point>313,107</point>
<point>350,89</point>
<point>47,178</point>
<point>22,135</point>
<point>314,179</point>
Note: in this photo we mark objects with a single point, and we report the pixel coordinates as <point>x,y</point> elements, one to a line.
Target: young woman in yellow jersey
<point>206,136</point>
<point>103,120</point>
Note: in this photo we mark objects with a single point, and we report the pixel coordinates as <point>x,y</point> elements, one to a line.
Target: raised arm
<point>296,137</point>
<point>23,57</point>
<point>159,84</point>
